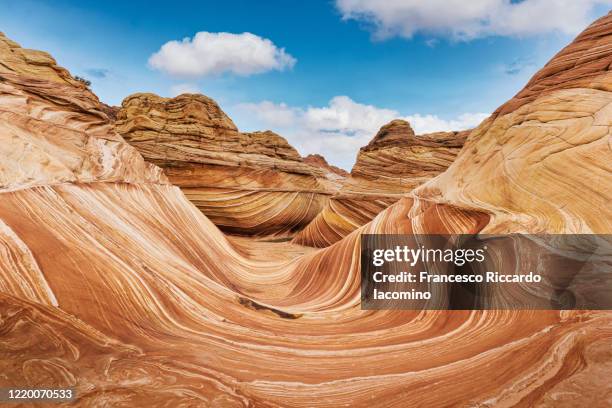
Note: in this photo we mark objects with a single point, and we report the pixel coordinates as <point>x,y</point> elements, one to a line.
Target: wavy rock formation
<point>528,165</point>
<point>68,140</point>
<point>115,284</point>
<point>391,165</point>
<point>246,183</point>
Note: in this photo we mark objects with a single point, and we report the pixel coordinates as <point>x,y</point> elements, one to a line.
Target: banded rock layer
<point>67,140</point>
<point>391,165</point>
<point>542,161</point>
<point>332,171</point>
<point>125,291</point>
<point>246,183</point>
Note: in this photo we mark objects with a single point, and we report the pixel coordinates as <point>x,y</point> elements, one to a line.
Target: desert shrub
<point>85,81</point>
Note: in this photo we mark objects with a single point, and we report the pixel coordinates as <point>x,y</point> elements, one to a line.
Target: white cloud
<point>178,89</point>
<point>339,129</point>
<point>432,123</point>
<point>345,116</point>
<point>272,114</point>
<point>216,53</point>
<point>466,20</point>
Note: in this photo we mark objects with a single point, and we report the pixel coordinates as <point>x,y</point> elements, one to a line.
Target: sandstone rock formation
<point>113,283</point>
<point>246,183</point>
<point>70,140</point>
<point>542,161</point>
<point>391,165</point>
<point>319,161</point>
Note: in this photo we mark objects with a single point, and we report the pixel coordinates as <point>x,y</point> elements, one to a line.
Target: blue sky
<point>327,73</point>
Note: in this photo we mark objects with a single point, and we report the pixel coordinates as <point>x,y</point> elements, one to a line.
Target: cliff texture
<point>246,183</point>
<point>112,282</point>
<point>542,161</point>
<point>53,130</point>
<point>391,165</point>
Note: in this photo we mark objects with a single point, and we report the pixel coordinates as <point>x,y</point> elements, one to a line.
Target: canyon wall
<point>390,166</point>
<point>541,162</point>
<point>112,282</point>
<point>246,183</point>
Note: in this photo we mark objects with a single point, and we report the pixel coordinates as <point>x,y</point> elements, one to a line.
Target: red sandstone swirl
<point>246,183</point>
<point>391,165</point>
<point>114,283</point>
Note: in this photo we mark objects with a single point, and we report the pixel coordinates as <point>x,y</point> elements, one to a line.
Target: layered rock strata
<point>113,283</point>
<point>54,130</point>
<point>246,183</point>
<point>391,165</point>
<point>542,161</point>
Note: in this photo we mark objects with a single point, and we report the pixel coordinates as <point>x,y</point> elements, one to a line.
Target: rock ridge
<point>202,151</point>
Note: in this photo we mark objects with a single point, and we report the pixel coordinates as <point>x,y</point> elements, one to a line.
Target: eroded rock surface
<point>246,183</point>
<point>391,165</point>
<point>112,282</point>
<point>319,161</point>
<point>54,130</point>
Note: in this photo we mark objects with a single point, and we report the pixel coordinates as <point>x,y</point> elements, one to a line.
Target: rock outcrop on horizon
<point>113,283</point>
<point>246,183</point>
<point>319,161</point>
<point>391,165</point>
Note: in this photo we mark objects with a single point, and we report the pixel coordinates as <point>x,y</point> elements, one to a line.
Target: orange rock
<point>67,140</point>
<point>585,63</point>
<point>543,162</point>
<point>319,161</point>
<point>391,165</point>
<point>113,283</point>
<point>246,183</point>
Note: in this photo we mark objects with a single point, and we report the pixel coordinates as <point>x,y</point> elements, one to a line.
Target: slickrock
<point>128,293</point>
<point>54,130</point>
<point>585,63</point>
<point>543,161</point>
<point>246,183</point>
<point>391,165</point>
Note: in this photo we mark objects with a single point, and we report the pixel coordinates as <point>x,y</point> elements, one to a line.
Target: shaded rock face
<point>391,165</point>
<point>246,183</point>
<point>395,133</point>
<point>397,157</point>
<point>113,283</point>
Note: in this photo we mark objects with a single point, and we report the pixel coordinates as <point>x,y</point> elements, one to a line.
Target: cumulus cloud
<point>272,114</point>
<point>216,53</point>
<point>339,129</point>
<point>466,20</point>
<point>343,115</point>
<point>433,123</point>
<point>182,88</point>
